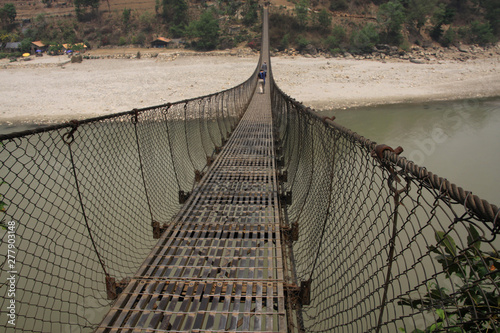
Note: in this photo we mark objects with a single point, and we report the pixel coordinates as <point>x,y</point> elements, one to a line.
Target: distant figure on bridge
<point>264,67</point>
<point>262,81</point>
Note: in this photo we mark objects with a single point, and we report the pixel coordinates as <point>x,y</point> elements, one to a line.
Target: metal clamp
<point>68,137</point>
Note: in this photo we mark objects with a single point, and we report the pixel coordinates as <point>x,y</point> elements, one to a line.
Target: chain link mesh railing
<point>384,245</point>
<point>379,244</point>
<point>81,202</point>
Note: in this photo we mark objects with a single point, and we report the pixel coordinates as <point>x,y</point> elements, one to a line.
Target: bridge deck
<point>219,267</point>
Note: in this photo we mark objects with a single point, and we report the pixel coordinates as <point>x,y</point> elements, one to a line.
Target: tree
<point>8,15</point>
<point>301,10</point>
<point>481,33</point>
<point>25,45</point>
<point>230,7</point>
<point>334,42</point>
<point>251,14</point>
<point>175,13</point>
<point>363,41</point>
<point>442,15</point>
<point>339,5</point>
<point>419,11</point>
<point>126,16</point>
<point>324,20</point>
<point>205,30</point>
<point>391,16</point>
<point>82,5</point>
<point>492,14</point>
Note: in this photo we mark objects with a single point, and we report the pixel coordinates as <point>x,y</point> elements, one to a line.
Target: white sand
<point>44,90</point>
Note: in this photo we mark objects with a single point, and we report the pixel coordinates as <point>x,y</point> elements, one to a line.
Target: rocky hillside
<point>308,26</point>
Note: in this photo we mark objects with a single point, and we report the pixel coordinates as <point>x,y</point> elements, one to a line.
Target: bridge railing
<point>81,203</point>
<point>383,244</point>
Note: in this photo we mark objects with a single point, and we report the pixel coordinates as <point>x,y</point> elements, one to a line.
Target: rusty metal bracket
<point>280,163</point>
<point>135,116</point>
<point>210,160</point>
<point>332,118</point>
<point>114,289</point>
<point>378,153</point>
<point>291,232</point>
<point>279,150</point>
<point>158,229</point>
<point>218,149</point>
<point>305,292</point>
<point>286,197</point>
<point>283,176</point>
<point>68,137</point>
<point>198,175</point>
<point>379,150</point>
<point>183,196</point>
<point>301,295</point>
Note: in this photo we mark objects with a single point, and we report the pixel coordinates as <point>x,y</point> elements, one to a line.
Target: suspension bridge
<point>238,211</point>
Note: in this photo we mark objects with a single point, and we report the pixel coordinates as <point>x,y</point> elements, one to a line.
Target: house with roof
<point>38,47</point>
<point>78,46</point>
<point>12,47</point>
<point>161,42</point>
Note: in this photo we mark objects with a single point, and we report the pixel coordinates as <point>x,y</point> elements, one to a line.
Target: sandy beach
<point>51,89</point>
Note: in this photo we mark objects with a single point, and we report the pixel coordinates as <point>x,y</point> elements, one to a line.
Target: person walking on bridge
<point>264,67</point>
<point>262,81</point>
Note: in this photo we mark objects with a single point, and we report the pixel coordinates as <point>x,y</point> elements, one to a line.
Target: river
<point>458,140</point>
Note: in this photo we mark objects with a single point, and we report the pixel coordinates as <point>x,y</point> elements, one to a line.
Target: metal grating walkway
<point>219,267</point>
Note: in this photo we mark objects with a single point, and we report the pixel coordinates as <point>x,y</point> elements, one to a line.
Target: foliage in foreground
<point>473,302</point>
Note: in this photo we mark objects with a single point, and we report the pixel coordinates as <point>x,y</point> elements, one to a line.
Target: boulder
<point>310,49</point>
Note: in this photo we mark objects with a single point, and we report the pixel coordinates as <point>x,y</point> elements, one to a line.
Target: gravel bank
<point>50,89</point>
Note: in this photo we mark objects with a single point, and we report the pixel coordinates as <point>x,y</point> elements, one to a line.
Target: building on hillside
<point>12,47</point>
<point>81,47</point>
<point>38,47</point>
<point>161,42</point>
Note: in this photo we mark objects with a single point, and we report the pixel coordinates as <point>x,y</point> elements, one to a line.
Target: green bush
<point>391,16</point>
<point>332,43</point>
<point>481,33</point>
<point>206,32</point>
<point>473,274</point>
<point>363,40</point>
<point>338,5</point>
<point>140,39</point>
<point>126,16</point>
<point>323,21</point>
<point>4,55</point>
<point>339,33</point>
<point>302,42</point>
<point>251,15</point>
<point>122,41</point>
<point>285,42</point>
<point>449,37</point>
<point>492,14</point>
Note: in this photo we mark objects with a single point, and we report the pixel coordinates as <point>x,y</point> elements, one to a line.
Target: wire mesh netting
<point>79,202</point>
<point>385,244</point>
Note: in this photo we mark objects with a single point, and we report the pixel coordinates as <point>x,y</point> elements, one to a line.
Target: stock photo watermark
<point>12,273</point>
<point>455,120</point>
<point>90,310</point>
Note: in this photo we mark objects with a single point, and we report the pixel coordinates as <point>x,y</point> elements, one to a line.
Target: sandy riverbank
<point>50,89</point>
